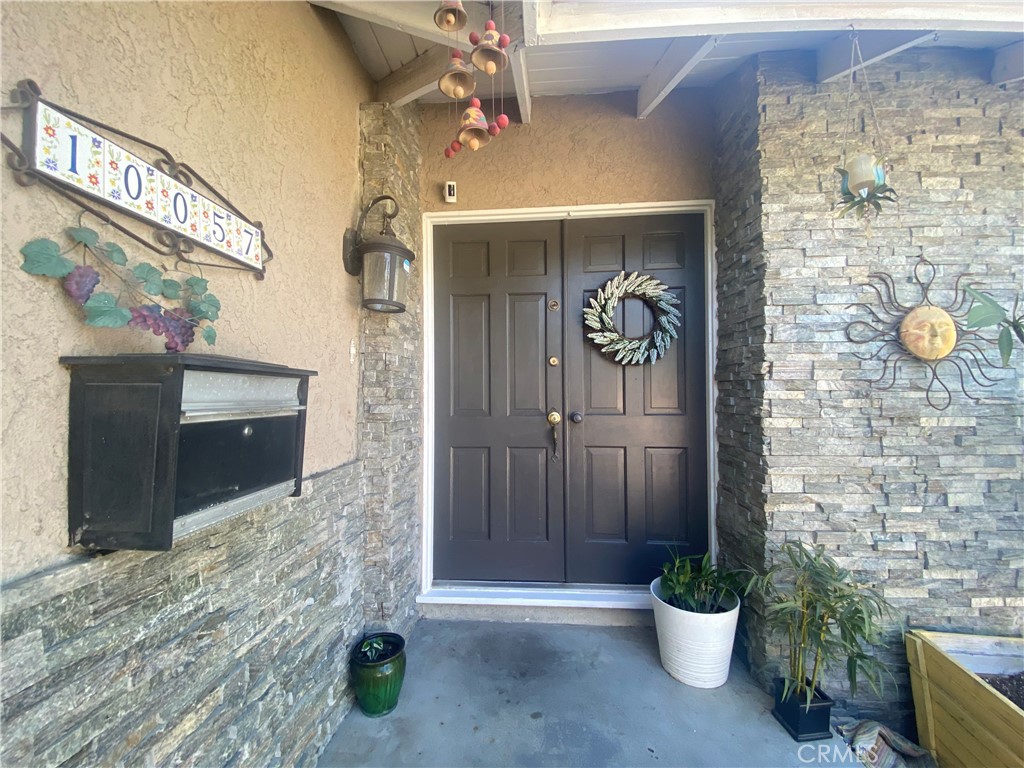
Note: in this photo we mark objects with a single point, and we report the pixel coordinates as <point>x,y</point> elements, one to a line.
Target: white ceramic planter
<point>695,647</point>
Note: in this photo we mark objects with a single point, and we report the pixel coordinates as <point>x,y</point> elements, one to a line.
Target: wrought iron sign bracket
<point>73,155</point>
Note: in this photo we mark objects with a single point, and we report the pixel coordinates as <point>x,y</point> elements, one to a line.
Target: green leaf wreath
<point>614,344</point>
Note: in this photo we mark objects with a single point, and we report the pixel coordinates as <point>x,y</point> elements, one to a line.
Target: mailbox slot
<point>163,445</point>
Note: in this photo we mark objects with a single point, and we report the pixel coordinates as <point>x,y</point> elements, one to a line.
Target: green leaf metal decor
<point>194,306</point>
<point>151,278</point>
<point>101,310</point>
<point>43,257</point>
<point>624,350</point>
<point>988,312</point>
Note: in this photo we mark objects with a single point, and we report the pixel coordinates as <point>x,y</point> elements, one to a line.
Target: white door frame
<point>564,595</point>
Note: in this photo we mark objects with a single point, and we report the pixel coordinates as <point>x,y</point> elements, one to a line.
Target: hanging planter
<point>863,183</point>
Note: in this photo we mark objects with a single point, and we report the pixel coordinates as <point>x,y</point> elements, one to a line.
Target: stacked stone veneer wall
<point>390,427</point>
<point>926,505</point>
<point>231,648</point>
<point>739,374</point>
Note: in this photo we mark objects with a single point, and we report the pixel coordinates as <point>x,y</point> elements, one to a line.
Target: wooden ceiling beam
<point>1009,64</point>
<point>682,56</point>
<point>875,45</point>
<point>413,18</point>
<point>521,78</point>
<point>533,10</point>
<point>417,78</point>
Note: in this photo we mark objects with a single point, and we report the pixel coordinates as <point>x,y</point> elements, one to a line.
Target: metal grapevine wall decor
<point>72,155</point>
<point>937,336</point>
<point>143,296</point>
<point>599,316</point>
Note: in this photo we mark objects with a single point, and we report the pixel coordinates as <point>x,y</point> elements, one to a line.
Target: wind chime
<point>863,184</point>
<point>458,81</point>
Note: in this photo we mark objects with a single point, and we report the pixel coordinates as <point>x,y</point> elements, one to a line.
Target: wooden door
<point>637,462</point>
<point>499,483</point>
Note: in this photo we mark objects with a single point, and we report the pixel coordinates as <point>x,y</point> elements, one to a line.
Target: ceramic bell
<point>488,54</point>
<point>473,128</point>
<point>450,16</point>
<point>457,82</point>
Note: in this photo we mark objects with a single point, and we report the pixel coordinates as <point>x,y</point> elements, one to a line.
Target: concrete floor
<point>492,694</point>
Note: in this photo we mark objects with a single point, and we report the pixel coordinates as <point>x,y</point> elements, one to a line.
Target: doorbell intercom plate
<point>449,191</point>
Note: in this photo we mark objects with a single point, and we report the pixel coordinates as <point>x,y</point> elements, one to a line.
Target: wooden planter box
<point>962,719</point>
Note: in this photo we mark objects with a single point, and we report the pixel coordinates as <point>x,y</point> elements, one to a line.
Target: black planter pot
<point>377,681</point>
<point>801,722</point>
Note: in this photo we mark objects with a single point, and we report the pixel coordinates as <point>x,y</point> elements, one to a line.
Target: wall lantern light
<point>383,261</point>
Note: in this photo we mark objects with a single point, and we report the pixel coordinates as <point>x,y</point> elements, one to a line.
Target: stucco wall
<point>262,99</point>
<point>577,150</point>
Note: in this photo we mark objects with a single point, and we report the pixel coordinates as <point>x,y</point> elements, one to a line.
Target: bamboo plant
<point>826,616</point>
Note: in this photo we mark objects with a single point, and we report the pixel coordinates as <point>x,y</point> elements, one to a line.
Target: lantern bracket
<point>352,257</point>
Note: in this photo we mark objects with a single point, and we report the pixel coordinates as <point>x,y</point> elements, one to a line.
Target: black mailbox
<point>162,445</point>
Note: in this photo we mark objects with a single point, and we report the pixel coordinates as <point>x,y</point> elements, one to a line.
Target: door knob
<point>575,417</point>
<point>554,417</point>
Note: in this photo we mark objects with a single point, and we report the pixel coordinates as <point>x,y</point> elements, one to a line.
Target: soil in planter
<point>1011,686</point>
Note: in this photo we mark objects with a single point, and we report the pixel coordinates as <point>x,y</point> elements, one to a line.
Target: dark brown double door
<point>629,472</point>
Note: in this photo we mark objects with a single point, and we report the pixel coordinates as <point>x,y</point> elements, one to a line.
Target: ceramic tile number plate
<point>68,151</point>
<point>74,155</point>
<point>177,205</point>
<point>131,182</point>
<point>204,219</point>
<point>250,244</point>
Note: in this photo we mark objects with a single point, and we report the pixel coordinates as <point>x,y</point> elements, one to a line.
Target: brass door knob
<point>554,417</point>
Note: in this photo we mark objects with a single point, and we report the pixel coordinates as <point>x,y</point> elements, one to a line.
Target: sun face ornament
<point>943,338</point>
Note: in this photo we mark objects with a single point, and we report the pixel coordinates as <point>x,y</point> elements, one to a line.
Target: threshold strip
<point>560,596</point>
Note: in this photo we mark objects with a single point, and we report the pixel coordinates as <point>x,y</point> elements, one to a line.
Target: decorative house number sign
<point>59,146</point>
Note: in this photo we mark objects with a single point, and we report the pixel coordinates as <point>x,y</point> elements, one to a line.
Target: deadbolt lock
<point>552,361</point>
<point>554,417</point>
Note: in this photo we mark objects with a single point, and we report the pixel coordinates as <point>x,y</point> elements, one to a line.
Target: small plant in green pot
<point>695,614</point>
<point>377,667</point>
<point>828,620</point>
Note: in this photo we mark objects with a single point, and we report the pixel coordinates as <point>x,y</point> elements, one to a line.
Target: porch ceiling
<point>565,47</point>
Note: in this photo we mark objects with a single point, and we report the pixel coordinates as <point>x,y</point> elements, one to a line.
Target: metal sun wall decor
<point>457,82</point>
<point>610,341</point>
<point>943,338</point>
<point>72,155</point>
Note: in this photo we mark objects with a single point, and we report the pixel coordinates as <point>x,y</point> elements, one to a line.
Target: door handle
<point>576,417</point>
<point>554,419</point>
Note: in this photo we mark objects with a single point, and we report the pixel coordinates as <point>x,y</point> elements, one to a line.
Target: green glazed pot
<point>378,681</point>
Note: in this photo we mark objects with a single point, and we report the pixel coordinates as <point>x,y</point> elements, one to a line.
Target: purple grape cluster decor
<point>148,298</point>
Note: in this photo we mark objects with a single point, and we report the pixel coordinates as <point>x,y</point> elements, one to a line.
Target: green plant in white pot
<point>695,614</point>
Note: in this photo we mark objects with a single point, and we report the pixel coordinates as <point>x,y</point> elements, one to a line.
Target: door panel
<point>498,507</point>
<point>637,464</point>
<point>470,373</point>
